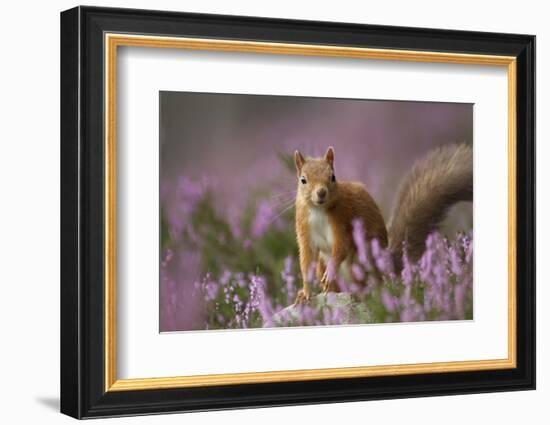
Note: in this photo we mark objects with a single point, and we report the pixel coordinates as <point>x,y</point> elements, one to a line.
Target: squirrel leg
<point>328,281</point>
<point>321,269</point>
<point>322,275</point>
<point>306,259</point>
<point>328,284</point>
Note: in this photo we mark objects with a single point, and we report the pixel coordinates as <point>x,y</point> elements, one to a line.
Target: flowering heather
<point>214,278</point>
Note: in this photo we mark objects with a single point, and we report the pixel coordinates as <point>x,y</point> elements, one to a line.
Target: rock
<point>330,309</point>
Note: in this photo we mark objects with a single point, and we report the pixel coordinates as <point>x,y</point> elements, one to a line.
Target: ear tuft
<point>329,156</point>
<point>299,161</point>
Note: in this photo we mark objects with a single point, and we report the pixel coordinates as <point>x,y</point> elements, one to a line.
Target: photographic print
<point>281,211</point>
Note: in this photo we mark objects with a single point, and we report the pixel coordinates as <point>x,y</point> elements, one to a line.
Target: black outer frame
<point>82,218</point>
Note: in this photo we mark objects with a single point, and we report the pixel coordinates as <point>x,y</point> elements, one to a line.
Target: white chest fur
<point>320,231</point>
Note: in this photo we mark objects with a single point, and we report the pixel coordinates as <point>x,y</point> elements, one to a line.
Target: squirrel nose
<point>321,193</point>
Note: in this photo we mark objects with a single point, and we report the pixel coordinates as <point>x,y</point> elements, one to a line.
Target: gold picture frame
<point>114,41</point>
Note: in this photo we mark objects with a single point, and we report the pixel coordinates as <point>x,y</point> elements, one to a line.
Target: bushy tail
<point>435,183</point>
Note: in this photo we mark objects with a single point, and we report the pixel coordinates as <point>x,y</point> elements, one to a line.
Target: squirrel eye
<point>303,180</point>
<point>333,178</point>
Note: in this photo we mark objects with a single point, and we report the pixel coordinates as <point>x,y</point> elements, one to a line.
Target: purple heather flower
<point>406,298</point>
<point>284,317</point>
<point>309,315</point>
<point>225,278</point>
<point>331,270</point>
<point>358,272</point>
<point>350,287</point>
<point>459,299</point>
<point>382,256</point>
<point>407,315</point>
<point>241,280</point>
<point>289,278</point>
<point>323,316</point>
<point>413,313</point>
<point>359,238</point>
<point>456,267</point>
<point>211,290</point>
<point>265,216</point>
<point>261,300</point>
<point>407,274</point>
<point>234,223</point>
<point>190,193</point>
<point>180,298</point>
<point>390,302</point>
<point>338,316</point>
<point>289,261</point>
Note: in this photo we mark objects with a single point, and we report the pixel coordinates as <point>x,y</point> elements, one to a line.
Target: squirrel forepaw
<point>303,297</point>
<point>328,285</point>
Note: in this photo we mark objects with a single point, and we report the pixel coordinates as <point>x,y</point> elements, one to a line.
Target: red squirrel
<point>326,208</point>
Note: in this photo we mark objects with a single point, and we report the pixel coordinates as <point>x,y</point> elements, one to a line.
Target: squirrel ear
<point>329,156</point>
<point>299,161</point>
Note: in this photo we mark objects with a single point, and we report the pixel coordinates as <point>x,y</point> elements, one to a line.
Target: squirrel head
<point>316,180</point>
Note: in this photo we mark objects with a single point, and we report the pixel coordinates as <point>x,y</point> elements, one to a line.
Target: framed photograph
<point>260,212</point>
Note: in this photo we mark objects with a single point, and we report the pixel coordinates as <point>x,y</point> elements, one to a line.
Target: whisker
<point>281,194</point>
<point>280,202</point>
<point>290,201</point>
<point>281,213</point>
